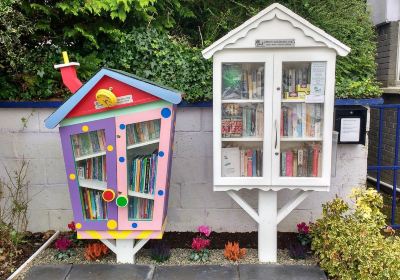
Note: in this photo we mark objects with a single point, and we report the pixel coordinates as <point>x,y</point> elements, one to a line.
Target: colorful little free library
<point>117,134</point>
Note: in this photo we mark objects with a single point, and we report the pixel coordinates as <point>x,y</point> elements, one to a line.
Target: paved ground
<point>198,272</point>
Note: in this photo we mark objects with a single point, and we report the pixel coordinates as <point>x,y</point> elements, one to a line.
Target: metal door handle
<point>276,133</point>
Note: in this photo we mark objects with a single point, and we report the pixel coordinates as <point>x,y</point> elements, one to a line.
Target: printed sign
<point>275,43</point>
<point>350,129</point>
<point>120,100</point>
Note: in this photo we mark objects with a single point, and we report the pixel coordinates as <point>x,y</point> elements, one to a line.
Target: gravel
<point>178,257</point>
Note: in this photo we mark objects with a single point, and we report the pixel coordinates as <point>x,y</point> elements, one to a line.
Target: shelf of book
<point>242,101</point>
<point>97,154</point>
<point>141,144</point>
<point>301,161</point>
<point>140,209</point>
<point>92,184</point>
<point>140,194</point>
<point>300,139</point>
<point>93,206</point>
<point>243,139</point>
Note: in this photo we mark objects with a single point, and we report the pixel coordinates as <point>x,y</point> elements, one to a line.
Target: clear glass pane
<point>242,120</point>
<point>90,164</point>
<point>242,159</point>
<point>242,81</point>
<point>142,156</point>
<point>302,111</point>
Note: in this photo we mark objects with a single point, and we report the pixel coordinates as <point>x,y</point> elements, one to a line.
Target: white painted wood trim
<point>66,65</point>
<point>292,204</point>
<point>28,261</point>
<point>110,243</point>
<point>245,206</point>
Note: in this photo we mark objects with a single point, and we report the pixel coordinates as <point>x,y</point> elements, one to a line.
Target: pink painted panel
<point>165,114</point>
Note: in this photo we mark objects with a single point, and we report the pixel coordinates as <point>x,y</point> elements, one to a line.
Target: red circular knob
<point>108,195</point>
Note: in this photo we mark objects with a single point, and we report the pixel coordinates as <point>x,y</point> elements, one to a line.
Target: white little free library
<point>273,91</point>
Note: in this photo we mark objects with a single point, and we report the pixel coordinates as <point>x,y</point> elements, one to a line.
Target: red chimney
<point>68,74</point>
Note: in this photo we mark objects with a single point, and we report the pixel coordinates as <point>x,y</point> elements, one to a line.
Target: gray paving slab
<point>111,271</point>
<point>196,272</point>
<point>280,272</point>
<point>48,272</point>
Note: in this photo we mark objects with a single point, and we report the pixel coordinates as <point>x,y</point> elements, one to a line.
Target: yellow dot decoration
<point>78,225</point>
<point>85,128</point>
<point>112,224</point>
<point>72,176</point>
<point>110,148</point>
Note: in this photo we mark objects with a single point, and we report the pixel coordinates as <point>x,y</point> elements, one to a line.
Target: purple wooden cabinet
<point>86,189</point>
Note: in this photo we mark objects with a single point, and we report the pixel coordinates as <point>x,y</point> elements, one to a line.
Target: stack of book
<point>93,168</point>
<point>301,162</point>
<point>238,162</point>
<point>301,120</point>
<point>242,81</point>
<point>93,206</point>
<point>144,173</point>
<point>296,82</point>
<point>242,121</point>
<point>88,143</point>
<point>143,132</point>
<point>140,208</point>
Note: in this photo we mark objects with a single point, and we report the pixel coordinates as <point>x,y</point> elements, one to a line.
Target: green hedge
<point>165,44</point>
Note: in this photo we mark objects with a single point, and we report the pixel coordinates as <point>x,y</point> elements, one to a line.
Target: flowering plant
<point>63,243</point>
<point>303,234</point>
<point>71,226</point>
<point>200,244</point>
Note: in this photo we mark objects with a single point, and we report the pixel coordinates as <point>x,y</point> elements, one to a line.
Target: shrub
<point>200,245</point>
<point>96,251</point>
<point>350,244</point>
<point>160,252</point>
<point>233,252</point>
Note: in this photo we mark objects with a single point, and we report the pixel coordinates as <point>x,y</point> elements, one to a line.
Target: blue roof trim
<point>30,104</point>
<point>364,102</point>
<point>66,107</point>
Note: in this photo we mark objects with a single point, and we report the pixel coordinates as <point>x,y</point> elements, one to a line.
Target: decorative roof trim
<point>308,29</point>
<point>166,94</point>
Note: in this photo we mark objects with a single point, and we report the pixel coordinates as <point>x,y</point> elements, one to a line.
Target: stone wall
<point>192,201</point>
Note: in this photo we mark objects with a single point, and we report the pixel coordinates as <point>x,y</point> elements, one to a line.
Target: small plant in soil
<point>233,252</point>
<point>297,250</point>
<point>303,235</point>
<point>64,248</point>
<point>96,251</point>
<point>160,252</point>
<point>200,245</point>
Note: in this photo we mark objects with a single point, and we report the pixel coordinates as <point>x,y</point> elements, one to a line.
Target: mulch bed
<point>30,244</point>
<point>219,239</point>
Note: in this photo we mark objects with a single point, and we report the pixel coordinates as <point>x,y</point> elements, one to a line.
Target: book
<point>242,120</point>
<point>140,208</point>
<point>92,168</point>
<point>142,132</point>
<point>143,173</point>
<point>302,161</point>
<point>301,120</point>
<point>93,206</point>
<point>88,143</point>
<point>231,162</point>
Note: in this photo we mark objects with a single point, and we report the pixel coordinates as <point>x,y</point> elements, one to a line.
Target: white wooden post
<point>267,226</point>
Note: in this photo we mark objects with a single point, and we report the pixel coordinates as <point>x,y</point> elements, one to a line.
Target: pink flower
<point>303,228</point>
<point>71,226</point>
<point>204,230</point>
<point>199,243</point>
<point>63,243</point>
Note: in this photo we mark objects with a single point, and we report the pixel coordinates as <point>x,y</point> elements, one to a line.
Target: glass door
<point>90,163</point>
<point>242,119</point>
<point>299,121</point>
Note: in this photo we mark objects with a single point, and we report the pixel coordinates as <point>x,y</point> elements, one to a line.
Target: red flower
<point>303,228</point>
<point>63,243</point>
<point>71,226</point>
<point>199,243</point>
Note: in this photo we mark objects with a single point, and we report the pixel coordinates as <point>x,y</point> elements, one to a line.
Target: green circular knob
<point>122,201</point>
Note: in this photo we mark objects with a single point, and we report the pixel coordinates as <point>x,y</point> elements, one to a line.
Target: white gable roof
<point>273,15</point>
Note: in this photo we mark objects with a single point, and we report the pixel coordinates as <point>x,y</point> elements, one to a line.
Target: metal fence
<point>385,136</point>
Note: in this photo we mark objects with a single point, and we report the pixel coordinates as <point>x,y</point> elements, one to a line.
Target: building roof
<point>281,12</point>
<point>160,91</point>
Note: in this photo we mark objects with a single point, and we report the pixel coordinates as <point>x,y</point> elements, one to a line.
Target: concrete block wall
<point>192,201</point>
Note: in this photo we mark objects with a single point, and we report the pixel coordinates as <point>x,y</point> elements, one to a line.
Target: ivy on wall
<point>158,40</point>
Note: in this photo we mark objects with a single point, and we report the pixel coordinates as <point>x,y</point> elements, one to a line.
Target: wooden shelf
<point>141,195</point>
<point>243,139</point>
<point>242,100</point>
<point>300,139</point>
<point>141,144</point>
<point>293,101</point>
<point>98,154</point>
<point>92,184</point>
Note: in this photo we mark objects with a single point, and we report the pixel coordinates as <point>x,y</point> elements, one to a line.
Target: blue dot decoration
<point>165,113</point>
<point>160,192</point>
<point>121,159</point>
<point>160,153</point>
<point>134,225</point>
<point>122,126</point>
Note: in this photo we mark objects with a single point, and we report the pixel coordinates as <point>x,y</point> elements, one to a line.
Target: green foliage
<point>200,256</point>
<point>165,44</point>
<point>349,243</point>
